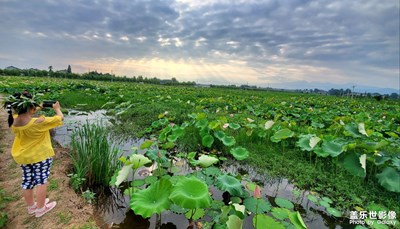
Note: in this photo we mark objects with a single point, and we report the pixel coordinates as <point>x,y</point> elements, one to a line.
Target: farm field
<point>343,153</point>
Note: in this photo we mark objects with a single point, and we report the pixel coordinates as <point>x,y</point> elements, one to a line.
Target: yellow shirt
<point>32,142</point>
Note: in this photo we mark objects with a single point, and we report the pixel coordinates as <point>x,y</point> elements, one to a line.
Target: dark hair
<point>20,110</point>
<point>7,105</point>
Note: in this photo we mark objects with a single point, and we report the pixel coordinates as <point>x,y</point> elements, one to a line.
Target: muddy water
<point>113,207</point>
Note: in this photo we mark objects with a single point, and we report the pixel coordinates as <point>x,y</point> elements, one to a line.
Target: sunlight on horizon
<point>201,71</point>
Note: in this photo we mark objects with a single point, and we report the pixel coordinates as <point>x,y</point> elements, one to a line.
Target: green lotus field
<point>344,151</point>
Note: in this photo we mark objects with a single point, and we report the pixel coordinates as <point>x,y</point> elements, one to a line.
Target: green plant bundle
<point>94,157</point>
<point>22,102</point>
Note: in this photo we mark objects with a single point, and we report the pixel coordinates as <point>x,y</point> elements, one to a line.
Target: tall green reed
<point>94,157</point>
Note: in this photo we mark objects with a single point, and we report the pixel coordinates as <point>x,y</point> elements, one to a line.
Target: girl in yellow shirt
<point>32,148</point>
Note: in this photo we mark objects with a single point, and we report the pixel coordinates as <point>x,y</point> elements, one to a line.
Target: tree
<point>50,68</point>
<point>69,69</point>
<point>394,96</point>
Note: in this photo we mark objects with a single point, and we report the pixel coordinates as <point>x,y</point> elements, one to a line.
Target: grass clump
<point>4,199</point>
<point>94,158</point>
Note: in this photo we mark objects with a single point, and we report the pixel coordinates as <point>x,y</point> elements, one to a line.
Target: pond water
<point>112,206</point>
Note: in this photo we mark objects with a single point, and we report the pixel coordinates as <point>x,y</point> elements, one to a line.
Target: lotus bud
<point>257,192</point>
<point>231,115</point>
<point>172,124</point>
<point>225,125</point>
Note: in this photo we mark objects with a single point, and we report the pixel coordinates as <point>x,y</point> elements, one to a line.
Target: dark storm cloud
<point>316,33</point>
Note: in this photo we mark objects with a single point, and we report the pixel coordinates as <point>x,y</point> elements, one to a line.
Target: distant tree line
<point>94,75</point>
<point>91,75</point>
<point>348,92</point>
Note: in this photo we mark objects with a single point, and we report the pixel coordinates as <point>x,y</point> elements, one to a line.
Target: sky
<point>276,43</point>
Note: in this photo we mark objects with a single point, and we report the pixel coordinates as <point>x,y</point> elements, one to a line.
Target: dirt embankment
<point>71,210</point>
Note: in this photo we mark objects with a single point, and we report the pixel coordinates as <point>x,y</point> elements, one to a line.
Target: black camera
<point>48,103</point>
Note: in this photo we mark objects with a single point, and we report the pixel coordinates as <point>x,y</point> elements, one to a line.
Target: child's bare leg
<point>28,196</point>
<point>41,193</point>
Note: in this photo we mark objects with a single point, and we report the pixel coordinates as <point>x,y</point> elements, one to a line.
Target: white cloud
<point>124,38</point>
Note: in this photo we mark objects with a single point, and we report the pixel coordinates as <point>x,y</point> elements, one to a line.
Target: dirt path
<point>71,210</point>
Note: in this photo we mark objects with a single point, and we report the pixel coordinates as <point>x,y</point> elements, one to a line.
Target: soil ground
<point>71,211</point>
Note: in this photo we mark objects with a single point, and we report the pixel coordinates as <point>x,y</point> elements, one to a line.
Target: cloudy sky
<point>280,43</point>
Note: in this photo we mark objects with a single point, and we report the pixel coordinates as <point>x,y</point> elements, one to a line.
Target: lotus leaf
<point>240,208</point>
<point>332,147</point>
<point>351,129</point>
<point>269,124</point>
<point>372,146</point>
<point>360,227</point>
<point>305,143</point>
<point>138,183</point>
<point>312,198</point>
<point>220,135</point>
<point>234,126</point>
<point>334,212</point>
<point>206,161</point>
<point>389,178</point>
<point>260,221</point>
<point>123,174</point>
<point>153,199</point>
<point>230,184</point>
<point>284,203</point>
<point>326,199</point>
<point>396,162</point>
<point>234,222</point>
<point>146,144</point>
<point>168,145</point>
<point>361,129</point>
<point>228,140</point>
<point>351,162</point>
<point>280,213</point>
<point>191,193</point>
<point>314,141</point>
<point>177,209</point>
<point>150,179</point>
<point>324,203</point>
<point>240,153</point>
<point>281,135</point>
<point>381,159</point>
<point>198,213</point>
<point>139,160</point>
<point>207,140</point>
<point>157,155</point>
<point>320,152</point>
<point>172,137</point>
<point>256,205</point>
<point>212,171</point>
<point>203,123</point>
<point>297,220</point>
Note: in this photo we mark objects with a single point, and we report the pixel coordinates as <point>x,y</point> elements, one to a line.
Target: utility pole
<point>352,94</point>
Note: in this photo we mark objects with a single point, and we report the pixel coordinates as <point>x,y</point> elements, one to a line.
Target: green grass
<point>88,225</point>
<point>4,199</point>
<point>12,165</point>
<point>53,185</point>
<point>64,217</point>
<point>93,156</point>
